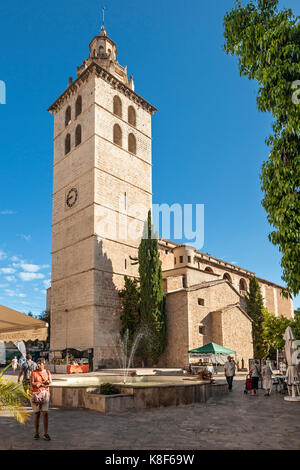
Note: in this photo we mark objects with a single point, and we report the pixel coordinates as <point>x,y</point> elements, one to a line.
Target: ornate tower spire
<point>103,31</point>
<point>103,51</point>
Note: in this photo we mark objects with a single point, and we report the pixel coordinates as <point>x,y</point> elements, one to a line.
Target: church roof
<point>230,307</point>
<point>108,77</point>
<point>205,285</point>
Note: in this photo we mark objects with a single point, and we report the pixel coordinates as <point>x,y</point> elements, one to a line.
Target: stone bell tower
<point>102,190</point>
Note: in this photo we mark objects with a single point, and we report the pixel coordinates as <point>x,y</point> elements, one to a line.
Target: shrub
<point>108,389</point>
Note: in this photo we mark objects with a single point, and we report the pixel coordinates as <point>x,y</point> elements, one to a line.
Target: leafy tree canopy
<point>266,41</point>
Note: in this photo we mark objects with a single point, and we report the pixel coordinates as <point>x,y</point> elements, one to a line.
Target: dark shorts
<point>254,381</point>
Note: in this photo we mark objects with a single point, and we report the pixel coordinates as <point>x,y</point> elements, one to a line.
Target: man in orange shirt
<point>40,381</point>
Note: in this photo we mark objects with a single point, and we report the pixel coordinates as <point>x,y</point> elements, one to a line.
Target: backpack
<point>27,369</point>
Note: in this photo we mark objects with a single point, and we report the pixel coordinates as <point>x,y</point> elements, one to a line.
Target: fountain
<point>141,393</point>
<point>125,354</point>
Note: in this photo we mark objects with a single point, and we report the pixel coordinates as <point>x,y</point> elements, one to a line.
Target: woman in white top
<point>267,378</point>
<point>14,364</point>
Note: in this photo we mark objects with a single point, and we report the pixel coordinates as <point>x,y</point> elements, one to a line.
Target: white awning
<point>17,326</point>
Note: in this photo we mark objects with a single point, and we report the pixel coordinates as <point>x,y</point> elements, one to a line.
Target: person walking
<point>14,364</point>
<point>229,370</point>
<point>40,381</point>
<point>22,360</point>
<point>255,374</point>
<point>267,378</point>
<point>25,371</point>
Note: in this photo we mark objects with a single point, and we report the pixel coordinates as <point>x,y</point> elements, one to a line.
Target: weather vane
<point>102,27</point>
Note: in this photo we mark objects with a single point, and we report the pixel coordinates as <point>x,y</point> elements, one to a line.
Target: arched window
<point>67,144</point>
<point>68,116</point>
<point>117,135</point>
<point>227,277</point>
<point>117,106</point>
<point>131,144</point>
<point>243,284</point>
<point>131,116</point>
<point>208,269</point>
<point>78,106</point>
<point>78,135</point>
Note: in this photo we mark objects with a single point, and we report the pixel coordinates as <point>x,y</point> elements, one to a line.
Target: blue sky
<point>208,137</point>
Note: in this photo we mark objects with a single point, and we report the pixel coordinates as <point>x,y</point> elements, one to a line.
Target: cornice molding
<point>100,72</point>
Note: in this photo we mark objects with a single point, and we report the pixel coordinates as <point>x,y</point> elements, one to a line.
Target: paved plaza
<point>234,421</point>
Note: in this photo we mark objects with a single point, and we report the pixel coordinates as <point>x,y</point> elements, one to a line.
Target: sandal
<point>47,437</point>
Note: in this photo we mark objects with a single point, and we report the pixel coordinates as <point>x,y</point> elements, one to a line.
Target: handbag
<point>40,397</point>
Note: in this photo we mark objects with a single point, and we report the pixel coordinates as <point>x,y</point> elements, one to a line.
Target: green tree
<point>11,394</point>
<point>45,316</point>
<point>273,331</point>
<point>295,325</point>
<point>130,317</point>
<point>153,318</point>
<point>267,44</point>
<point>255,309</point>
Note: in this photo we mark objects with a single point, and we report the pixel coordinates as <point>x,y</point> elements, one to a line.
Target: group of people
<point>265,372</point>
<point>15,363</point>
<point>36,382</point>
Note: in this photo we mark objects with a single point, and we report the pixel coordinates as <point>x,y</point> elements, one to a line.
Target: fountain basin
<point>135,395</point>
<point>90,398</point>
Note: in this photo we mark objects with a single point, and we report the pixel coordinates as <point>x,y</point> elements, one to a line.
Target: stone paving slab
<point>233,421</point>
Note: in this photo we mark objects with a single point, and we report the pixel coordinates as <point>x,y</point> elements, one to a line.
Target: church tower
<point>102,190</point>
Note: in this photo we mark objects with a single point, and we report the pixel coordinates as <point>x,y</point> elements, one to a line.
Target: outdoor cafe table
<point>77,369</point>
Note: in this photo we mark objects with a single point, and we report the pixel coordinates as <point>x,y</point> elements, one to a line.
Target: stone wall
<point>177,344</point>
<point>195,272</point>
<point>195,317</point>
<point>237,333</point>
<point>213,298</point>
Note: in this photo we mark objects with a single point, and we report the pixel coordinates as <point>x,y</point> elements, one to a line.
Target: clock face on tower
<point>72,197</point>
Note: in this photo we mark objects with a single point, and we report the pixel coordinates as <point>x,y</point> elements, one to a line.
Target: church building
<point>102,171</point>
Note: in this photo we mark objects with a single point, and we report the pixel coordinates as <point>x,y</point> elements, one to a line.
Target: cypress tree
<point>130,317</point>
<point>153,318</point>
<point>255,309</point>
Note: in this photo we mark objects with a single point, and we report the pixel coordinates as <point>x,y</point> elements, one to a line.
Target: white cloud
<point>7,270</point>
<point>29,276</point>
<point>10,278</point>
<point>2,255</point>
<point>14,258</point>
<point>31,268</point>
<point>7,212</point>
<point>3,285</point>
<point>12,293</point>
<point>25,237</point>
<point>47,283</point>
